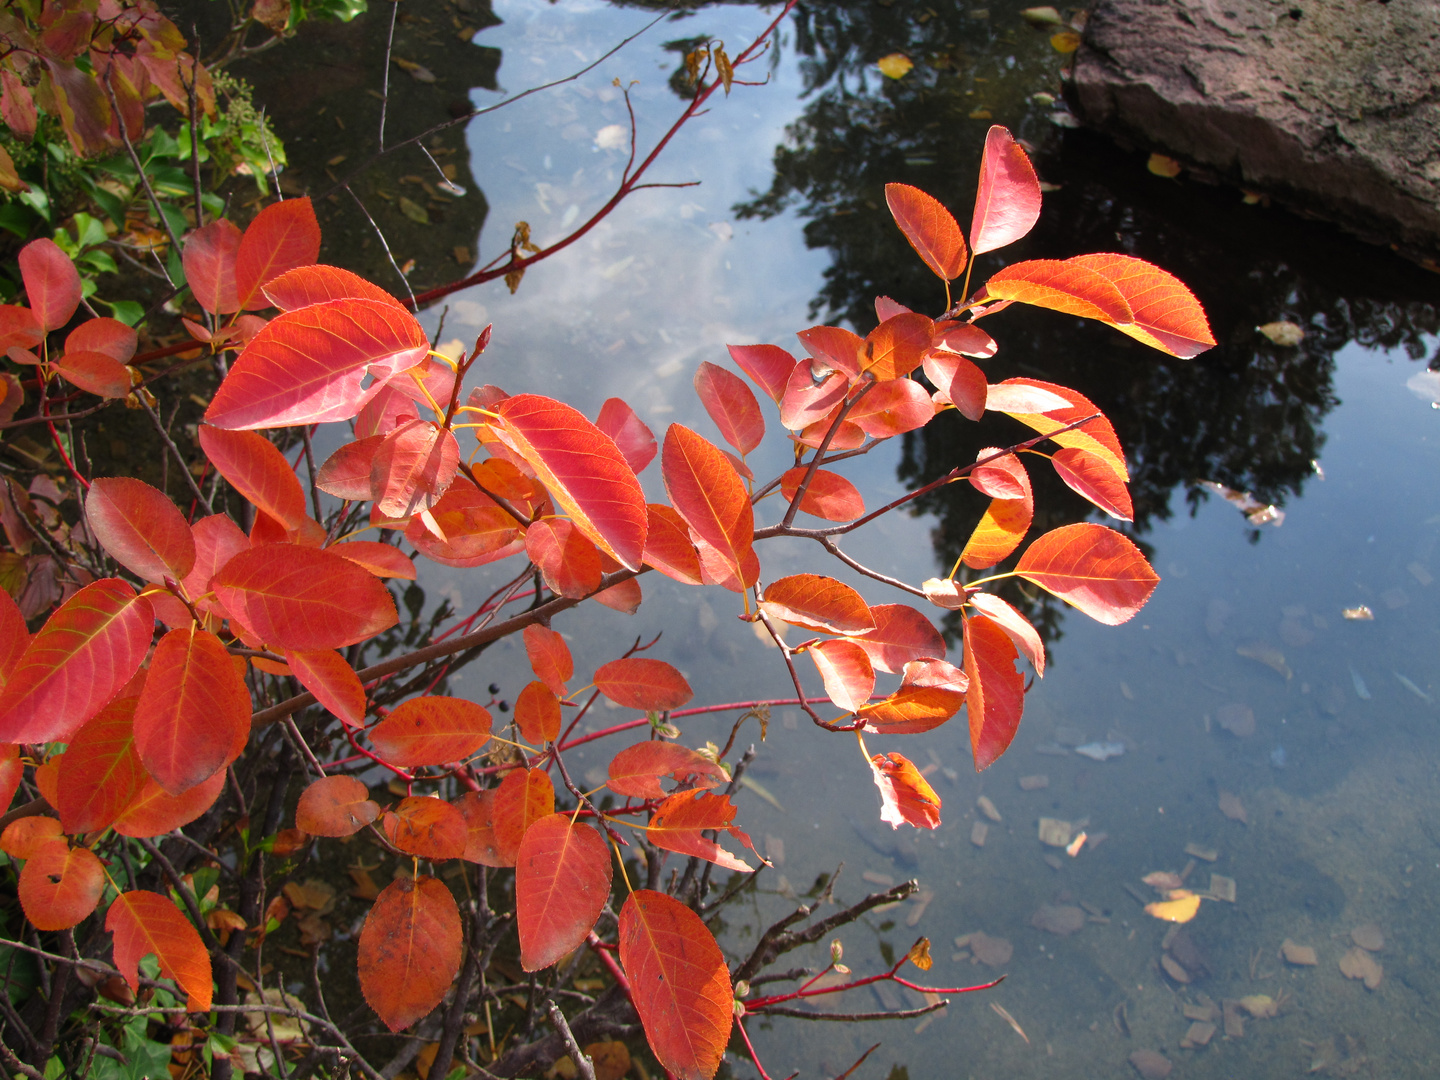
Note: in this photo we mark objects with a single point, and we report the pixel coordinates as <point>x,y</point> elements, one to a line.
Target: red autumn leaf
<point>1064,286</point>
<point>562,881</point>
<point>549,657</point>
<point>335,806</point>
<point>193,717</point>
<point>410,950</point>
<point>893,408</point>
<point>346,473</point>
<point>24,837</point>
<point>680,822</point>
<point>100,771</point>
<point>523,798</point>
<point>569,563</point>
<point>897,346</point>
<point>209,262</point>
<point>20,329</point>
<point>845,667</point>
<point>431,730</point>
<point>311,365</point>
<point>14,637</point>
<point>537,712</point>
<point>109,336</point>
<point>1025,637</point>
<point>85,652</point>
<point>931,229</point>
<point>1166,314</point>
<point>12,769</point>
<point>95,373</point>
<point>146,922</point>
<point>283,236</point>
<point>474,530</point>
<point>315,284</point>
<point>412,467</point>
<point>325,674</point>
<point>52,284</point>
<point>708,493</point>
<point>768,366</point>
<point>1007,200</point>
<point>732,405</point>
<point>1004,523</point>
<point>427,827</point>
<point>641,683</point>
<point>140,528</point>
<point>154,812</point>
<point>678,982</point>
<point>965,338</point>
<point>256,469</point>
<point>809,395</point>
<point>624,596</point>
<point>901,634</point>
<point>1094,478</point>
<point>582,468</point>
<point>668,547</point>
<point>996,697</point>
<point>478,809</point>
<point>18,106</point>
<point>628,432</point>
<point>931,692</point>
<point>1000,478</point>
<point>833,348</point>
<point>818,603</point>
<point>217,541</point>
<point>1022,396</point>
<point>295,597</point>
<point>60,886</point>
<point>636,770</point>
<point>959,382</point>
<point>830,496</point>
<point>1097,570</point>
<point>905,796</point>
<point>1095,436</point>
<point>382,560</point>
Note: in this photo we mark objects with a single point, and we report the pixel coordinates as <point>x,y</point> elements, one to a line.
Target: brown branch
<point>801,1014</point>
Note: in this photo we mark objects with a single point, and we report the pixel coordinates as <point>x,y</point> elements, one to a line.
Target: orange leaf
<point>14,637</point>
<point>636,770</point>
<point>1094,478</point>
<point>477,808</point>
<point>1007,201</point>
<point>678,982</point>
<point>830,496</point>
<point>549,657</point>
<point>410,950</point>
<point>86,651</point>
<point>11,772</point>
<point>95,373</point>
<point>412,468</point>
<point>146,922</point>
<point>833,348</point>
<point>1096,436</point>
<point>346,473</point>
<point>1005,522</point>
<point>537,712</point>
<point>931,229</point>
<point>668,547</point>
<point>562,881</point>
<point>997,691</point>
<point>1064,286</point>
<point>1098,570</point>
<point>640,683</point>
<point>60,886</point>
<point>100,771</point>
<point>568,561</point>
<point>140,527</point>
<point>708,493</point>
<point>732,405</point>
<point>582,468</point>
<point>523,798</point>
<point>896,347</point>
<point>893,408</point>
<point>624,596</point>
<point>819,603</point>
<point>335,806</point>
<point>679,823</point>
<point>768,366</point>
<point>306,285</point>
<point>431,731</point>
<point>628,432</point>
<point>904,794</point>
<point>901,634</point>
<point>1166,314</point>
<point>52,284</point>
<point>325,674</point>
<point>382,560</point>
<point>810,394</point>
<point>296,597</point>
<point>428,827</point>
<point>256,468</point>
<point>217,541</point>
<point>1016,626</point>
<point>966,338</point>
<point>845,667</point>
<point>109,336</point>
<point>475,530</point>
<point>24,837</point>
<point>154,812</point>
<point>209,262</point>
<point>283,236</point>
<point>193,717</point>
<point>959,382</point>
<point>930,693</point>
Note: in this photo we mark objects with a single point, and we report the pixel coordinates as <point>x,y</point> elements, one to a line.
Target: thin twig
<point>583,1065</point>
<point>175,450</point>
<point>383,243</point>
<point>385,74</point>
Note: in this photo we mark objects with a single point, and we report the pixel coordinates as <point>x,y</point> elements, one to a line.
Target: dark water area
<point>1332,789</point>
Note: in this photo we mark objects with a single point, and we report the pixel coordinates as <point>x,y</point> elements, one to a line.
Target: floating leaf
<point>562,882</point>
<point>335,806</point>
<point>1181,908</point>
<point>641,683</point>
<point>410,950</point>
<point>146,922</point>
<point>635,771</point>
<point>1066,41</point>
<point>817,602</point>
<point>1098,570</point>
<point>431,730</point>
<point>895,65</point>
<point>996,696</point>
<point>1286,334</point>
<point>1007,199</point>
<point>905,795</point>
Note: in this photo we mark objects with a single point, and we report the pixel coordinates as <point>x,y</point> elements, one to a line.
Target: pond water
<point>1333,790</point>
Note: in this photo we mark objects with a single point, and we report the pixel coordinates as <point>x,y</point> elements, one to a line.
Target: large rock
<point>1332,106</point>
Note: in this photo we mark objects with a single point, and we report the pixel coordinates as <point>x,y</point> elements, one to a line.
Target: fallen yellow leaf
<point>1066,41</point>
<point>895,66</point>
<point>1164,166</point>
<point>1180,908</point>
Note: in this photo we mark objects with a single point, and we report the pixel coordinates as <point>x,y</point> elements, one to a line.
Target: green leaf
<point>127,311</point>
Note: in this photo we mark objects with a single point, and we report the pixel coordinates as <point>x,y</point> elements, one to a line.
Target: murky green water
<point>1340,780</point>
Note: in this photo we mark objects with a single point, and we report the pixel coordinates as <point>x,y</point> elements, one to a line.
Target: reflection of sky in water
<point>1337,837</point>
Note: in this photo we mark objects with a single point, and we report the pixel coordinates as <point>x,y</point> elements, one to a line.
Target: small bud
<point>742,988</point>
<point>837,951</point>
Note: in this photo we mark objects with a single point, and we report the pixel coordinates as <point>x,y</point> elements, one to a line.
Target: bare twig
<point>383,243</point>
<point>583,1065</point>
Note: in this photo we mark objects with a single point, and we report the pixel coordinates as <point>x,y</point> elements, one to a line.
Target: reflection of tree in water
<point>1247,414</point>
